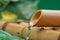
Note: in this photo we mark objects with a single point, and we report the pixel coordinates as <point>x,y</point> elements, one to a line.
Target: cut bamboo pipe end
<point>44,18</point>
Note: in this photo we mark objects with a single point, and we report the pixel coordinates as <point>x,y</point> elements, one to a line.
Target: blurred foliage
<point>6,36</point>
<point>23,9</point>
<point>8,16</point>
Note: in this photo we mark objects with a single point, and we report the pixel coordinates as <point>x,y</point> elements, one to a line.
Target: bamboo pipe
<point>35,33</point>
<point>44,18</point>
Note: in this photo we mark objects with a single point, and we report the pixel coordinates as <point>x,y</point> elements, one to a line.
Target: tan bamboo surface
<point>46,18</point>
<point>35,34</point>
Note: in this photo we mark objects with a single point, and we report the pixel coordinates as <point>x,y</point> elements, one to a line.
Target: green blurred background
<point>49,4</point>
